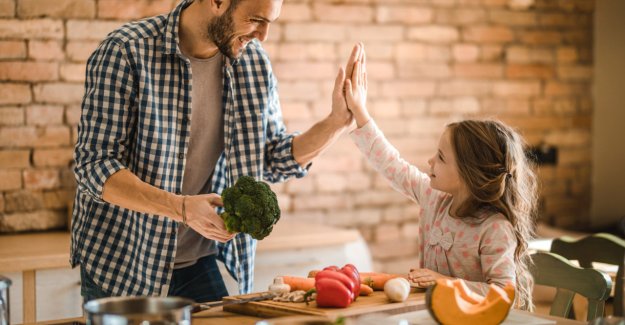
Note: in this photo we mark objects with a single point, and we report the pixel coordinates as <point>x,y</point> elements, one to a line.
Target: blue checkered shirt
<point>135,115</point>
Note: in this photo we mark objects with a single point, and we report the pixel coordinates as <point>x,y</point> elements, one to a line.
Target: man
<point>176,108</point>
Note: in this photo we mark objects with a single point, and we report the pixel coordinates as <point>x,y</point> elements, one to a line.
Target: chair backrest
<point>556,271</point>
<point>602,248</point>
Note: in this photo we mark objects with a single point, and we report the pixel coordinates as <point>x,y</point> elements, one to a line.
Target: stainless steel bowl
<point>139,310</point>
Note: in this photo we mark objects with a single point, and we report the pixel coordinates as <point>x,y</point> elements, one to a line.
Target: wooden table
<point>29,252</point>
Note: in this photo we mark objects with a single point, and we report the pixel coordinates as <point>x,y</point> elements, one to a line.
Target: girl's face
<point>444,175</point>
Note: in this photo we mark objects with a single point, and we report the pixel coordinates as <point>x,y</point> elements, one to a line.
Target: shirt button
<point>180,155</point>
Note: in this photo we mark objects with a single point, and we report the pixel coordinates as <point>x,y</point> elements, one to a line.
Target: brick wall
<point>430,62</point>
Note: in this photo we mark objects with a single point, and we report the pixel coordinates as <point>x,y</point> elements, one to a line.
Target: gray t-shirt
<point>205,146</point>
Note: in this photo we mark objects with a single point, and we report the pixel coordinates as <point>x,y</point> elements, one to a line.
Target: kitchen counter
<point>27,253</point>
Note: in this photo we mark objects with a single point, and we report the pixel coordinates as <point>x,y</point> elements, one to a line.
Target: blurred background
<point>551,69</point>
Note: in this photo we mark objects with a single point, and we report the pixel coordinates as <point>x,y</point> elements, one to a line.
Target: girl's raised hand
<point>356,89</point>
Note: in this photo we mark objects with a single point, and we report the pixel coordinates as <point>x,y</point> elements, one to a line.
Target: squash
<point>451,302</point>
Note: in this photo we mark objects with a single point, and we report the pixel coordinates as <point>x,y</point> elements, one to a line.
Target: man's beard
<point>221,32</point>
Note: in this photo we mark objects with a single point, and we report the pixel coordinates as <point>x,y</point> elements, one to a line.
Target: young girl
<point>478,198</point>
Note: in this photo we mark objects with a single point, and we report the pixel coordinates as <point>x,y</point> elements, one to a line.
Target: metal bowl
<point>139,310</point>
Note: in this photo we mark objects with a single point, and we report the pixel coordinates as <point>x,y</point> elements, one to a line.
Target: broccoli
<point>250,207</point>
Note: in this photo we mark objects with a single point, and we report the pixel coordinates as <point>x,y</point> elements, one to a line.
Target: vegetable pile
<point>250,207</point>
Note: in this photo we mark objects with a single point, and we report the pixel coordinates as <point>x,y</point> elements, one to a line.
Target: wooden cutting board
<point>375,303</point>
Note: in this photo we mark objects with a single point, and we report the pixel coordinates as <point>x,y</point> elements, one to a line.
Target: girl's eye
<point>440,158</point>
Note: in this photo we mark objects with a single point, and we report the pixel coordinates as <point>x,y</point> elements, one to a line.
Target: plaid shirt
<point>135,115</point>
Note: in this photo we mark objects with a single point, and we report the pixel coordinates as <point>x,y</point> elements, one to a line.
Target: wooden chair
<point>602,248</point>
<point>556,271</point>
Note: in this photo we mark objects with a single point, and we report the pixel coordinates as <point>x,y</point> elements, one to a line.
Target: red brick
<point>575,72</point>
<point>305,71</point>
<point>384,108</point>
<point>460,16</point>
<point>38,179</point>
<point>7,10</point>
<point>331,182</point>
<point>80,51</point>
<point>403,14</point>
<point>554,88</point>
<point>31,29</point>
<point>465,52</point>
<point>375,50</point>
<point>504,106</point>
<point>12,50</point>
<point>569,138</point>
<point>10,179</point>
<point>122,9</point>
<point>540,71</point>
<point>72,114</point>
<point>559,106</point>
<point>394,249</point>
<point>461,105</point>
<point>478,70</point>
<point>564,20</point>
<point>566,54</point>
<point>413,107</point>
<point>31,137</point>
<point>295,12</point>
<point>299,90</point>
<point>46,50</point>
<point>53,157</point>
<point>437,53</point>
<point>433,34</point>
<point>492,52</point>
<point>314,32</point>
<point>541,37</point>
<point>522,54</point>
<point>407,89</point>
<point>414,70</point>
<point>59,93</point>
<point>376,33</point>
<point>12,116</point>
<point>343,13</point>
<point>516,88</point>
<point>90,30</point>
<point>14,159</point>
<point>410,52</point>
<point>14,93</point>
<point>56,8</point>
<point>484,34</point>
<point>387,232</point>
<point>73,72</point>
<point>314,201</point>
<point>44,115</point>
<point>513,18</point>
<point>57,199</point>
<point>28,71</point>
<point>378,70</point>
<point>465,88</point>
<point>306,51</point>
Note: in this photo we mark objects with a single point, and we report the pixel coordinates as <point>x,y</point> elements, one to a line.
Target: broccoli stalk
<point>250,207</point>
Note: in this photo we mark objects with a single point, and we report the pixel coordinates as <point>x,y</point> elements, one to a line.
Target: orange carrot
<point>376,280</point>
<point>365,290</point>
<point>299,283</point>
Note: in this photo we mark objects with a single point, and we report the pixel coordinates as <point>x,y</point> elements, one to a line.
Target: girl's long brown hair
<point>492,163</point>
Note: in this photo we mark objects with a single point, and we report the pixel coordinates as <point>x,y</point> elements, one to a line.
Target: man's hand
<point>424,277</point>
<point>201,216</point>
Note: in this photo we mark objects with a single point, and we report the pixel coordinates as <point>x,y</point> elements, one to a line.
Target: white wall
<point>608,153</point>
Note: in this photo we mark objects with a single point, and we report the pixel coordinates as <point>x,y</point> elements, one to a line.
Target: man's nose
<point>262,32</point>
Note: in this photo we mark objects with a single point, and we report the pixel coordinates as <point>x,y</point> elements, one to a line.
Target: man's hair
<point>492,163</point>
<point>233,3</point>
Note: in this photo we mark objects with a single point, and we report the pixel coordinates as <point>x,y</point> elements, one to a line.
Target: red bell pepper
<point>351,271</point>
<point>332,293</point>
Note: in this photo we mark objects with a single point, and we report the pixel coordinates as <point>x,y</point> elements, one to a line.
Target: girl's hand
<point>340,113</point>
<point>424,277</point>
<point>356,89</point>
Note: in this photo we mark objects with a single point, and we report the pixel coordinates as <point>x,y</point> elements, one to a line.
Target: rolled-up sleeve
<point>280,164</point>
<point>106,118</point>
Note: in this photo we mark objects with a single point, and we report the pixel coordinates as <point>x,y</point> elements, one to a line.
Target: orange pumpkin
<point>451,302</point>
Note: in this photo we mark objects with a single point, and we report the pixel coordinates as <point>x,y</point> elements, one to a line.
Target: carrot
<point>299,283</point>
<point>377,280</point>
<point>365,290</point>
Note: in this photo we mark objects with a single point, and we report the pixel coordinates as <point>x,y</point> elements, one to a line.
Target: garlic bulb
<point>397,289</point>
